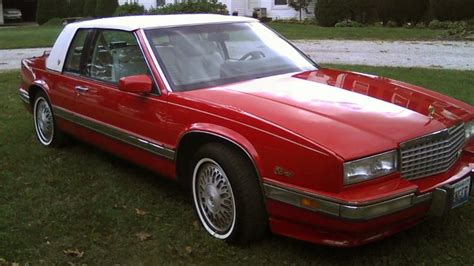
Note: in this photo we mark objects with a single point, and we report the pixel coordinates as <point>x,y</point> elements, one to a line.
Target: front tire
<point>46,130</point>
<point>227,195</point>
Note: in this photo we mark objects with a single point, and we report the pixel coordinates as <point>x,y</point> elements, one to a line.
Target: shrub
<point>306,21</point>
<point>54,22</point>
<point>130,10</point>
<point>105,8</point>
<point>420,25</point>
<point>401,11</point>
<point>348,23</point>
<point>329,12</point>
<point>48,9</point>
<point>213,7</point>
<point>89,8</point>
<point>436,24</point>
<point>391,24</point>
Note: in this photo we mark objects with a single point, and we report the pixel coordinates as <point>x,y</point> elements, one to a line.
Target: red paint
<point>309,123</point>
<point>136,84</point>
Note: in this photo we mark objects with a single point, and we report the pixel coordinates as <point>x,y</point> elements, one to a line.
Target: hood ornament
<point>431,111</point>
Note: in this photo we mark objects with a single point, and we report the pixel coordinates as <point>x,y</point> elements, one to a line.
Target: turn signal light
<point>309,203</point>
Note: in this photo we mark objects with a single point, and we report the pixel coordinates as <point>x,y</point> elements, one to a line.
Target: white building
<point>276,9</point>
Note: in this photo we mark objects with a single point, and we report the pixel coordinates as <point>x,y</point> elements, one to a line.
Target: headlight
<point>370,167</point>
<point>469,129</point>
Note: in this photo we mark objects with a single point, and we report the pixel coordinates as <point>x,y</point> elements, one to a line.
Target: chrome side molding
<point>24,96</point>
<point>114,133</point>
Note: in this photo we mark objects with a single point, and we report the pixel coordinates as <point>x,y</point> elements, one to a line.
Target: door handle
<point>81,89</point>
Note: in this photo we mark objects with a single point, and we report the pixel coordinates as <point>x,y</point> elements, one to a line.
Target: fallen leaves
<point>140,212</point>
<point>143,236</point>
<point>189,249</point>
<point>74,253</point>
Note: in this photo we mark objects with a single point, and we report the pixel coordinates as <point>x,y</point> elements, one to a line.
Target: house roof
<point>131,23</point>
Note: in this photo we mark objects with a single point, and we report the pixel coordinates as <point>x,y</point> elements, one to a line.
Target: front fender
<point>226,134</point>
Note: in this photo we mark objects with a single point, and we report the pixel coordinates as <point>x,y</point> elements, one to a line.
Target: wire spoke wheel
<point>43,118</point>
<point>214,198</point>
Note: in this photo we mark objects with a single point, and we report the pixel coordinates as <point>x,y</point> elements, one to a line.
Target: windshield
<point>202,56</point>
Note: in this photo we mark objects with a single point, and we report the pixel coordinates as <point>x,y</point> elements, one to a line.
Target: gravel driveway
<point>443,55</point>
<point>11,59</point>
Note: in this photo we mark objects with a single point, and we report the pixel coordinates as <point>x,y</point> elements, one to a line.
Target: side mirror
<point>136,84</point>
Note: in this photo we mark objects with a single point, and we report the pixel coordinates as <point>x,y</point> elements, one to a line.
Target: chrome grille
<point>431,154</point>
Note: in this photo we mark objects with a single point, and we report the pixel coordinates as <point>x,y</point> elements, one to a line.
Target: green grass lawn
<point>77,197</point>
<point>313,32</point>
<point>44,36</point>
<point>28,36</point>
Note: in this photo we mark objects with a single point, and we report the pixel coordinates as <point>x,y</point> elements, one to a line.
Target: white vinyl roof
<point>131,23</point>
<point>56,59</point>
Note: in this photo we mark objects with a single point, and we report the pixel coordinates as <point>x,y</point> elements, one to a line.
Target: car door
<point>64,92</point>
<point>136,119</point>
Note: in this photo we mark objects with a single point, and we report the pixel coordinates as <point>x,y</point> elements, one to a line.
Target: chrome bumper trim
<point>24,96</point>
<point>115,133</point>
<point>346,211</point>
<point>357,211</point>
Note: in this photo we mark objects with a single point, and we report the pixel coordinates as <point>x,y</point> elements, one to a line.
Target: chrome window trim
<point>142,49</point>
<point>24,96</point>
<point>155,61</point>
<point>114,133</point>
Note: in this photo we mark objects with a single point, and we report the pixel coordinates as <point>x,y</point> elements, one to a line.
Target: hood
<point>353,115</point>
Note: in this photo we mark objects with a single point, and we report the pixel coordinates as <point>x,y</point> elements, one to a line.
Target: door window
<point>115,54</point>
<point>73,59</point>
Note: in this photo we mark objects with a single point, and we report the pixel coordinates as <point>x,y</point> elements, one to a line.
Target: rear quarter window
<point>74,54</point>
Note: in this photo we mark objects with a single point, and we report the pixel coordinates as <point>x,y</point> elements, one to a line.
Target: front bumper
<point>12,16</point>
<point>438,198</point>
<point>331,221</point>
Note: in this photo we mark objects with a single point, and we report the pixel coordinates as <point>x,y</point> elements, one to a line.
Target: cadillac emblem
<point>278,170</point>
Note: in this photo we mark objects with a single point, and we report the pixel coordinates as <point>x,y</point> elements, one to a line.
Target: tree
<point>329,12</point>
<point>89,8</point>
<point>300,5</point>
<point>105,8</point>
<point>452,9</point>
<point>129,10</point>
<point>48,9</point>
<point>75,8</point>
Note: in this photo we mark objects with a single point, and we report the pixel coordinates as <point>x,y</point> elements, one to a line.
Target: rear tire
<point>46,129</point>
<point>227,195</point>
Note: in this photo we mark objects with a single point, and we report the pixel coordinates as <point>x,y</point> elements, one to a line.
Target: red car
<point>256,132</point>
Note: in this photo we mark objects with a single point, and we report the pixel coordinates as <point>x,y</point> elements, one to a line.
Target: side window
<point>115,54</point>
<point>73,59</point>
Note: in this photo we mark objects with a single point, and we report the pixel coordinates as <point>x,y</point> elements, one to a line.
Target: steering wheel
<point>252,55</point>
